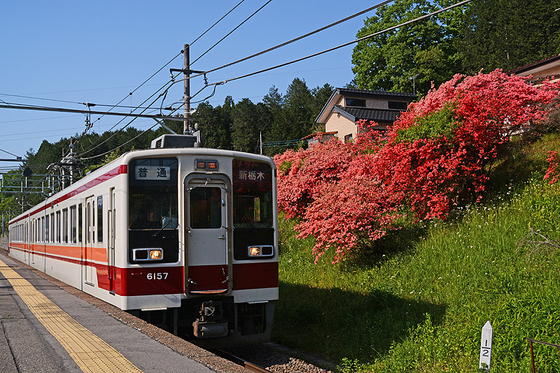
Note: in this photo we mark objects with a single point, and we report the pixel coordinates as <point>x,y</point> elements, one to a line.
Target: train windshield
<point>153,194</point>
<point>252,195</point>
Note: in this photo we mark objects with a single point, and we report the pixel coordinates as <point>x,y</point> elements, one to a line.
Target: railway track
<point>244,363</point>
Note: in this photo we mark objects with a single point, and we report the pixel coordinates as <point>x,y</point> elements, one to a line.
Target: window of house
<point>356,102</point>
<point>398,105</point>
<point>348,138</point>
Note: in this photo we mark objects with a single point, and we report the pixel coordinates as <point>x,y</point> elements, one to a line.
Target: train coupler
<point>211,323</point>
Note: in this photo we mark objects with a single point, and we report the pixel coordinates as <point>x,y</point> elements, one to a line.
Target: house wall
<point>342,125</point>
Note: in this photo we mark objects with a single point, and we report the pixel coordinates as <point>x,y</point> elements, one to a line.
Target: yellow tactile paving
<point>91,353</point>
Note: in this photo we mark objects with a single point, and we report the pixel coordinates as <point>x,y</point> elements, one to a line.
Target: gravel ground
<point>276,358</point>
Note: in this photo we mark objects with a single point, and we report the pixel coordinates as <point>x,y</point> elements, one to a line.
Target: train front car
<point>215,213</point>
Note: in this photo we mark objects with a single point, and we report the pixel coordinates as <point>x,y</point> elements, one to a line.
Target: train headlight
<point>260,251</point>
<point>254,251</point>
<point>147,254</point>
<point>156,254</point>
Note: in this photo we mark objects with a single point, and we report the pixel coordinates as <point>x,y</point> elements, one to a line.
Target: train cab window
<point>253,215</point>
<point>153,202</point>
<point>153,209</point>
<point>252,195</point>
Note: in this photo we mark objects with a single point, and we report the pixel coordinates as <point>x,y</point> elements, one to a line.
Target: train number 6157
<point>157,276</point>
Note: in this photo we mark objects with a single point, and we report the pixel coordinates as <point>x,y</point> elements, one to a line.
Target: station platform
<point>47,326</point>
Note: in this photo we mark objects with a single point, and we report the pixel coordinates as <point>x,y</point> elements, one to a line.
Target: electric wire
<point>342,45</point>
<point>231,32</point>
<point>137,88</point>
<point>297,39</point>
<point>96,145</point>
<point>7,152</point>
<point>273,67</point>
<point>218,21</point>
<point>39,98</point>
<point>112,150</point>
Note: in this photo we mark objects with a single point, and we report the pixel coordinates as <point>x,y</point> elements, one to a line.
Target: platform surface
<point>44,328</point>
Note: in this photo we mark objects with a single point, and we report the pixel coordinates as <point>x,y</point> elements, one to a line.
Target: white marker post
<point>486,347</point>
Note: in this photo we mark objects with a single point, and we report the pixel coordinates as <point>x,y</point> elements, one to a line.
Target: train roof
<point>114,167</point>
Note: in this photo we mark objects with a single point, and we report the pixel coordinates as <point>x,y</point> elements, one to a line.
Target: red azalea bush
<point>432,158</point>
<point>553,172</point>
<point>303,173</point>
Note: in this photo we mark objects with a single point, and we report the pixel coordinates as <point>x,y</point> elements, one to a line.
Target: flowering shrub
<point>431,159</point>
<point>303,173</point>
<point>553,172</point>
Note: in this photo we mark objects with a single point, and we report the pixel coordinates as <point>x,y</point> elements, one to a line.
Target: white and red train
<point>185,233</point>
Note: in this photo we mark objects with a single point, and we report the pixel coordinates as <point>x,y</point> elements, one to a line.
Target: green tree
<point>214,124</point>
<point>412,56</point>
<point>320,97</point>
<point>298,110</point>
<point>249,120</point>
<point>508,34</point>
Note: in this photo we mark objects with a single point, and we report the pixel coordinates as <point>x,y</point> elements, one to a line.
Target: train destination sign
<point>249,175</point>
<point>153,173</point>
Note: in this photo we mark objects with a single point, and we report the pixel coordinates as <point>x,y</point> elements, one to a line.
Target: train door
<point>89,240</point>
<point>207,235</point>
<point>111,216</point>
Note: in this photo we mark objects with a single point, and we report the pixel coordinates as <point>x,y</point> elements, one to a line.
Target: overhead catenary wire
<point>218,21</point>
<point>221,67</point>
<point>229,33</point>
<point>129,123</point>
<point>298,38</point>
<point>296,60</point>
<point>342,45</point>
<point>137,88</point>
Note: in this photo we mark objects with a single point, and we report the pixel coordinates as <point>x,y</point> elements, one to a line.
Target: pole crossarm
<point>78,111</point>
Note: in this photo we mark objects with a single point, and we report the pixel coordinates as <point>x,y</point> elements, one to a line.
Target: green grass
<point>419,301</point>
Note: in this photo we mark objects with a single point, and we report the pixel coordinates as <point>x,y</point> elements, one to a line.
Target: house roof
<point>363,93</point>
<point>536,67</point>
<point>378,115</point>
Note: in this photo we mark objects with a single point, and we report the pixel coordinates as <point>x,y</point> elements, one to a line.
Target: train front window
<point>153,200</point>
<point>153,211</point>
<point>153,208</point>
<point>252,195</point>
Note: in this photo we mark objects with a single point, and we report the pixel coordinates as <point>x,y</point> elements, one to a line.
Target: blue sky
<point>98,52</point>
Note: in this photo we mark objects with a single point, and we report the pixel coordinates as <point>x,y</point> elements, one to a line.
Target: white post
<point>485,347</point>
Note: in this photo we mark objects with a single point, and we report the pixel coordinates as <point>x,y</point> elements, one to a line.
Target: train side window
<point>100,219</point>
<point>73,224</point>
<point>80,223</point>
<point>65,225</point>
<point>47,229</point>
<point>52,227</point>
<point>58,233</point>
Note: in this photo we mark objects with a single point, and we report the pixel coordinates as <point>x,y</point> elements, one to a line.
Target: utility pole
<point>187,84</point>
<point>187,129</point>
